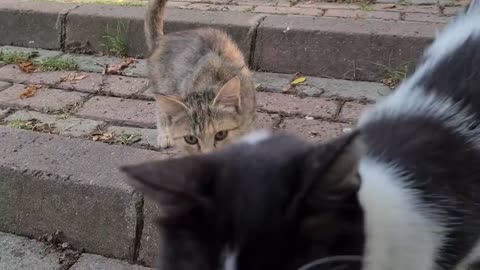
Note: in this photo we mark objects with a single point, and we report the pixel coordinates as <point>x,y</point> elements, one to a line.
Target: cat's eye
<point>190,139</point>
<point>221,135</point>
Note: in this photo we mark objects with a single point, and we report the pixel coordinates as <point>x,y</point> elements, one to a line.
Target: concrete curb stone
<point>50,183</point>
<point>339,48</point>
<point>96,262</point>
<point>41,24</point>
<point>342,48</point>
<point>88,26</point>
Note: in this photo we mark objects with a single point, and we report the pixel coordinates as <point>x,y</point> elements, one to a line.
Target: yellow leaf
<point>298,80</point>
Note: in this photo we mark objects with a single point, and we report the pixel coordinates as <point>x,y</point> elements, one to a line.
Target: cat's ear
<point>229,94</point>
<point>170,105</point>
<point>331,170</point>
<point>175,184</point>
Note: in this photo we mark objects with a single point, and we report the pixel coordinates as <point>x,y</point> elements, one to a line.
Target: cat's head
<point>204,121</point>
<point>266,202</point>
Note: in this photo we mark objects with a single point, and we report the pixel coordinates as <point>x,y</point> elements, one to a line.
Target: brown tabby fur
<point>201,83</point>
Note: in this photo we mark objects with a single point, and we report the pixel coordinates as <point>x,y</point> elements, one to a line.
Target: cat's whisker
<point>344,258</point>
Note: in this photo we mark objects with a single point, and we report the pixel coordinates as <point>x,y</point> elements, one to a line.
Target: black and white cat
<point>400,192</point>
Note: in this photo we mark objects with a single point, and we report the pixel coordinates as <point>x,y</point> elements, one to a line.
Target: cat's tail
<point>154,22</point>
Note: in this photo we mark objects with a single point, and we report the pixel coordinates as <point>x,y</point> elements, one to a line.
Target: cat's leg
<point>164,137</point>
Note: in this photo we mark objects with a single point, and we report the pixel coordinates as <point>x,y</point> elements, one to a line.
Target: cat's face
<point>266,202</point>
<point>217,129</point>
<point>203,122</point>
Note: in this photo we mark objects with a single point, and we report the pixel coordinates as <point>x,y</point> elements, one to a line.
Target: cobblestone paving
<point>88,104</point>
<point>432,11</point>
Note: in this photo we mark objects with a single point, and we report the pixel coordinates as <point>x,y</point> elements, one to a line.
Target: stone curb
<point>343,48</point>
<point>50,183</point>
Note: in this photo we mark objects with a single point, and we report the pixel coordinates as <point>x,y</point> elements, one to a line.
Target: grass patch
<point>366,6</point>
<point>16,57</point>
<point>393,76</point>
<point>57,64</point>
<point>33,125</point>
<point>115,44</point>
<point>128,139</point>
<point>71,109</point>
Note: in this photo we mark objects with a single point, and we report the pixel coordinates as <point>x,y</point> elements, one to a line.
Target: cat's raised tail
<point>154,21</point>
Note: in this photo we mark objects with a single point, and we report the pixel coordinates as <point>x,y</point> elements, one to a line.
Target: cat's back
<point>183,56</point>
<point>423,146</point>
<point>430,126</point>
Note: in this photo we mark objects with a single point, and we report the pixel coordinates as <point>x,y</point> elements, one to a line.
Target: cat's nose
<point>207,150</point>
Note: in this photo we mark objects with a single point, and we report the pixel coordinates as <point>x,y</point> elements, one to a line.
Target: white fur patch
<point>416,102</point>
<point>411,100</point>
<point>474,256</point>
<point>401,233</point>
<point>452,37</point>
<point>230,260</point>
<point>256,137</point>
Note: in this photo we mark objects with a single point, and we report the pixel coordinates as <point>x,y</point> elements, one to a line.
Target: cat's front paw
<point>164,141</point>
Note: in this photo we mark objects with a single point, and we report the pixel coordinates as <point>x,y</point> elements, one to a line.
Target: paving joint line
<point>63,22</point>
<point>140,212</point>
<point>253,31</point>
<point>341,103</point>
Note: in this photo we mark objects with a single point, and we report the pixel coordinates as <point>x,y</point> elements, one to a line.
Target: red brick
<point>211,7</point>
<point>265,121</point>
<point>289,10</point>
<point>127,111</point>
<point>317,107</point>
<point>124,86</point>
<point>91,84</point>
<point>418,17</point>
<point>45,99</point>
<point>12,73</point>
<point>254,3</point>
<point>351,111</point>
<point>323,5</point>
<point>314,129</point>
<point>451,11</point>
<point>177,4</point>
<point>360,14</point>
<point>408,8</point>
<point>4,85</point>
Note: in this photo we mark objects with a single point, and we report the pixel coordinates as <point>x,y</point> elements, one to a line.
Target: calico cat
<point>203,88</point>
<point>400,192</point>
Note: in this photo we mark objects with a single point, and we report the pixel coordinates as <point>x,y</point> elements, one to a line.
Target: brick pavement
<point>320,108</point>
<point>413,10</point>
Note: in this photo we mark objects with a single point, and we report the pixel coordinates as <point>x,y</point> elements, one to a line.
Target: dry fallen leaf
<point>103,137</point>
<point>80,77</point>
<point>27,67</point>
<point>391,82</point>
<point>290,87</point>
<point>118,69</point>
<point>299,80</point>
<point>74,76</point>
<point>29,91</point>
